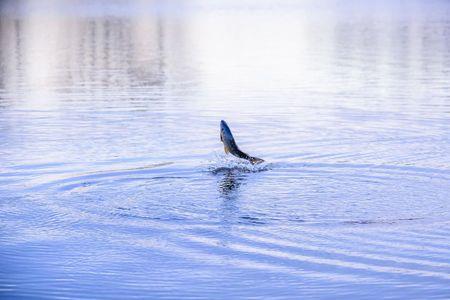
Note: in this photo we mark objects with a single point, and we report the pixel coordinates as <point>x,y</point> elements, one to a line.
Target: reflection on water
<point>113,181</point>
<point>230,182</point>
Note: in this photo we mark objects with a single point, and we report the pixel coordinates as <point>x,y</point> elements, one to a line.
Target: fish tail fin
<point>255,160</point>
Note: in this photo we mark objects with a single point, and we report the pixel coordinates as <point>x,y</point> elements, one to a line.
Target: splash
<point>222,163</point>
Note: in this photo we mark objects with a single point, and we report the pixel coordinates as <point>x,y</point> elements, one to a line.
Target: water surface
<point>113,180</point>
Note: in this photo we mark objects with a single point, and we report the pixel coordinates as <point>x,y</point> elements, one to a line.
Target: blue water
<point>114,183</point>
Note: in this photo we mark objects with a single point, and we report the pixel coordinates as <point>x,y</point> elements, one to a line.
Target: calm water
<point>113,180</point>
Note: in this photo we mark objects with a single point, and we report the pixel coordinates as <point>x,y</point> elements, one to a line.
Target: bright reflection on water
<point>113,181</point>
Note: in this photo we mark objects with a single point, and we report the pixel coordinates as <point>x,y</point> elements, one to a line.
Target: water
<point>114,183</point>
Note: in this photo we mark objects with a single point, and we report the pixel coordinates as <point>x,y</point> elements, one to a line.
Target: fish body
<point>230,145</point>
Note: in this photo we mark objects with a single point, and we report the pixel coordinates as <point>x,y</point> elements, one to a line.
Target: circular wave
<point>334,223</point>
<point>297,193</point>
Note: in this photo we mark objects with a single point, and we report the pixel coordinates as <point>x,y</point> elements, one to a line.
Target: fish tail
<point>255,160</point>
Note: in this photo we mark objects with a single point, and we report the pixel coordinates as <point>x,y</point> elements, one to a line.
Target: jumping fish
<point>230,145</point>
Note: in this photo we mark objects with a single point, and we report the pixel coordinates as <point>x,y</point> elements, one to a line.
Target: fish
<point>231,147</point>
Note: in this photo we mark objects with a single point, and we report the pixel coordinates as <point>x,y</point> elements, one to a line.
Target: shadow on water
<point>230,182</point>
<point>228,185</point>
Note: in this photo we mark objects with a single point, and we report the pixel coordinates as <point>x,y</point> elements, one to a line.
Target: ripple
<point>109,184</point>
<point>147,192</point>
<point>303,221</point>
